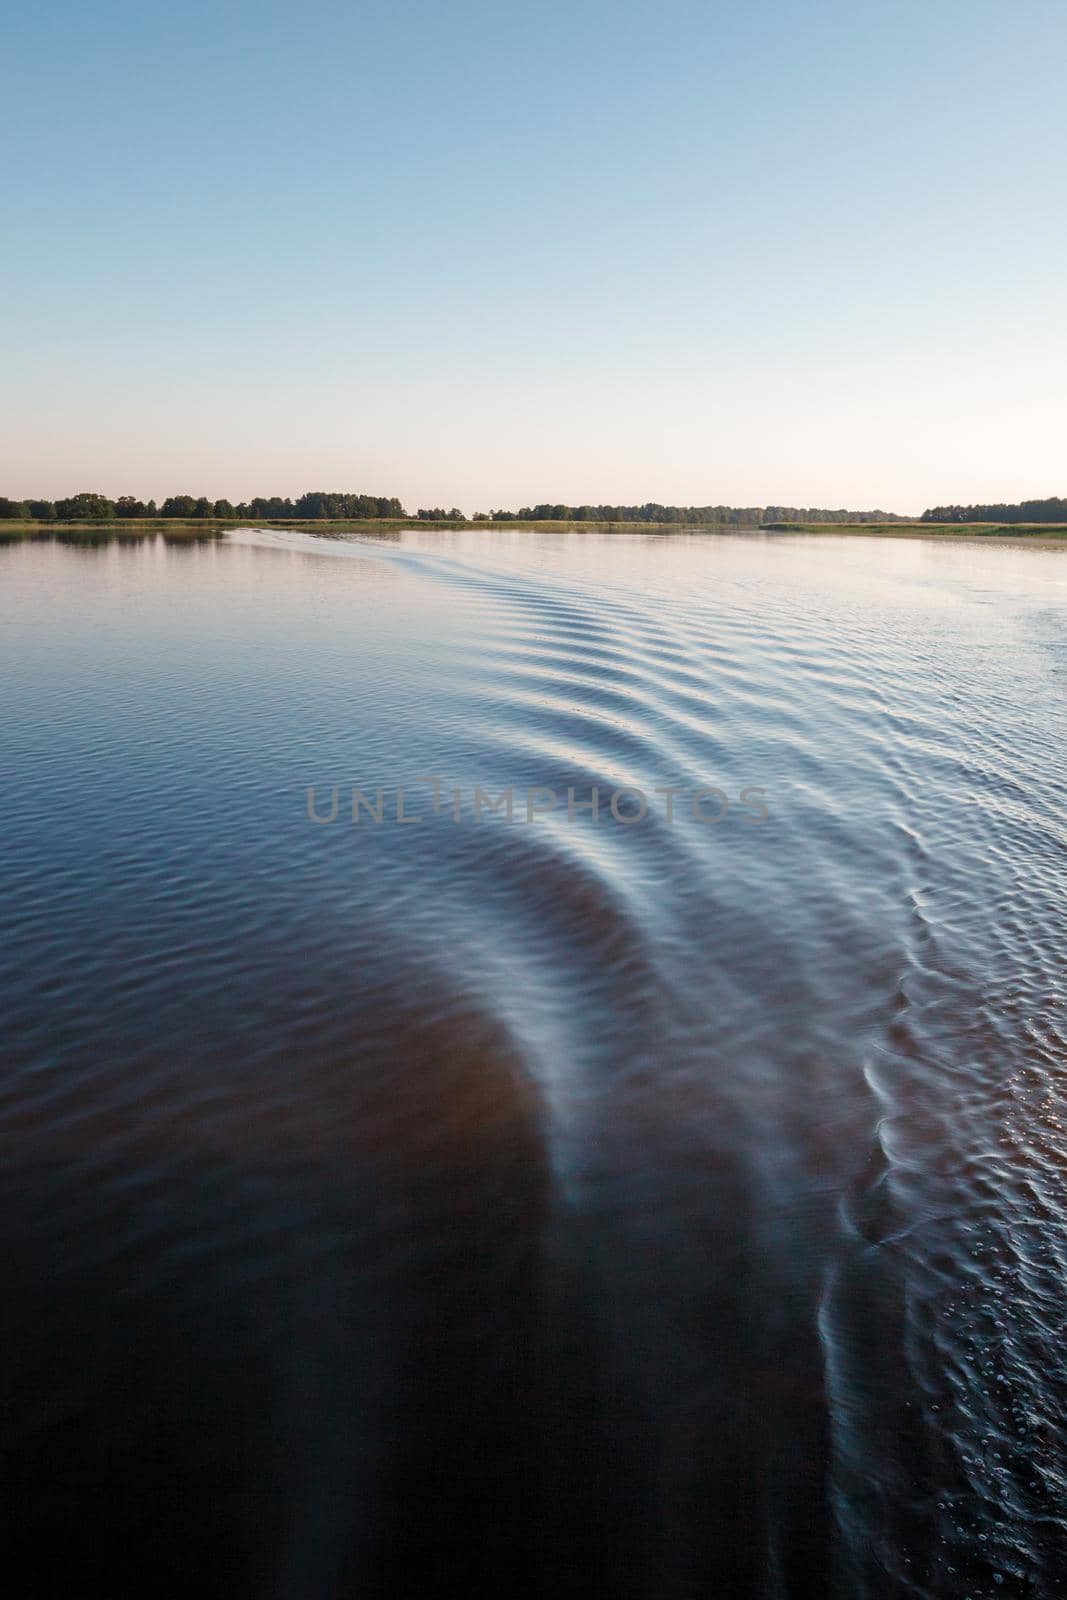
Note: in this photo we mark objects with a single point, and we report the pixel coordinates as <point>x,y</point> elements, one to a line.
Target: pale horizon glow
<point>486,255</point>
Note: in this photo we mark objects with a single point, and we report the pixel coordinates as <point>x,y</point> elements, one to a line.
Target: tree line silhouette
<point>1051,510</point>
<point>313,506</point>
<point>319,505</point>
<point>692,516</point>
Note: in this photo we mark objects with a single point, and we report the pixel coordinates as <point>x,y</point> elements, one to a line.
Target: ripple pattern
<point>548,1205</point>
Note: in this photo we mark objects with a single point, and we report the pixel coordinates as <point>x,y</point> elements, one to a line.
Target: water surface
<point>627,1208</point>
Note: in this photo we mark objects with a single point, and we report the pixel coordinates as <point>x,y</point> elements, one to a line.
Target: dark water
<point>650,1209</point>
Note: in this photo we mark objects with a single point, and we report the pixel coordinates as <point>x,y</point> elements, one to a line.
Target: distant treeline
<point>693,516</point>
<point>318,505</point>
<point>1052,510</point>
<point>98,508</point>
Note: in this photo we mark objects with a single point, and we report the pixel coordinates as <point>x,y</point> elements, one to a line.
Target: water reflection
<point>538,1206</point>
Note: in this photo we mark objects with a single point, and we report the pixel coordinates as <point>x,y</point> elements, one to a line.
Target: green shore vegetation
<point>319,505</point>
<point>929,530</point>
<point>90,516</point>
<point>172,531</point>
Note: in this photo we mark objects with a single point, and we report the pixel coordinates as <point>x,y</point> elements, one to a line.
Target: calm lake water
<point>627,1208</point>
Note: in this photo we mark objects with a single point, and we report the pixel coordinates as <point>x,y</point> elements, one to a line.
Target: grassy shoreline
<point>1053,532</point>
<point>172,529</point>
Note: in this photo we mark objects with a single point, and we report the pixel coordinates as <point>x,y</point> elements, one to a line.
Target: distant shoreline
<point>172,528</point>
<point>1051,532</point>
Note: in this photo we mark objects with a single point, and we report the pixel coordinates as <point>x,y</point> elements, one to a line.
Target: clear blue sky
<point>482,252</point>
